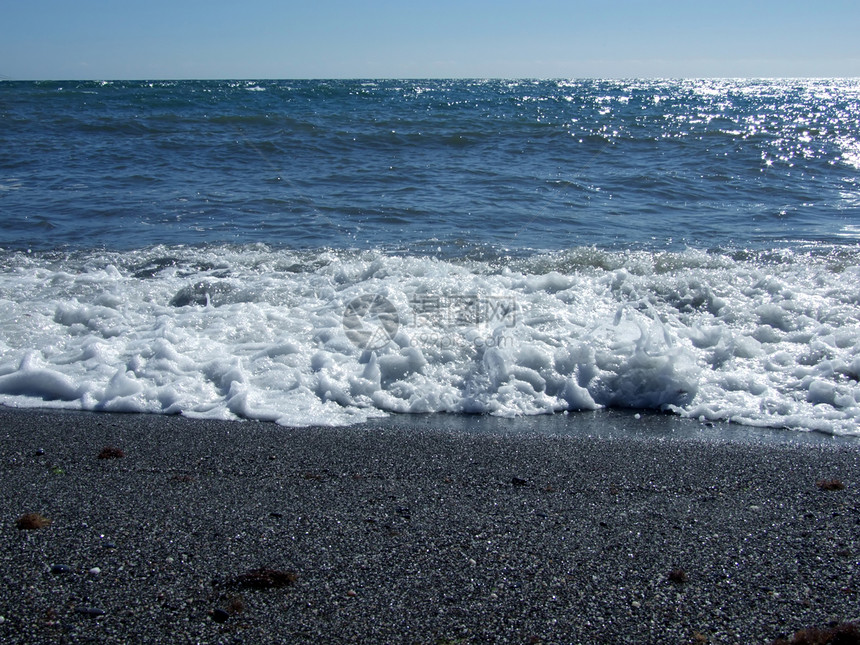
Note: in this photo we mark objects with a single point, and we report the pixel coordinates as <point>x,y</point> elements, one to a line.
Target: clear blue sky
<point>156,39</point>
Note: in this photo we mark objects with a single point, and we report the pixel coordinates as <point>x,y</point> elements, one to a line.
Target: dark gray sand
<point>425,530</point>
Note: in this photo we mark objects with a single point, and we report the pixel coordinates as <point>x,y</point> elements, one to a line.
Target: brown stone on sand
<point>830,484</point>
<point>678,576</point>
<point>32,521</point>
<point>111,452</point>
<point>833,634</point>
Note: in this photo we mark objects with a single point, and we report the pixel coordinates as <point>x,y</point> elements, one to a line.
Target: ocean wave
<point>764,338</point>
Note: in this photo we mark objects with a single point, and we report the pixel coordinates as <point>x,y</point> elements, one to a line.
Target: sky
<point>256,39</point>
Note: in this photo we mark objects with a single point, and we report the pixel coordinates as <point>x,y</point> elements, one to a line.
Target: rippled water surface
<point>423,165</point>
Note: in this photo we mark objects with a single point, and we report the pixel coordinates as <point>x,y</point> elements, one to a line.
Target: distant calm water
<point>326,251</point>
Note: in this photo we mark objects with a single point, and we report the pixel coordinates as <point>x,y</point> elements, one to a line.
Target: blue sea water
<point>409,165</point>
<point>325,251</point>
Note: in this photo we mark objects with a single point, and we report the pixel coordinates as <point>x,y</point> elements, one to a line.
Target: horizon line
<point>415,78</point>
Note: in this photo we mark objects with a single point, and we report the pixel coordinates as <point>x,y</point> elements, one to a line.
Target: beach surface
<point>593,528</point>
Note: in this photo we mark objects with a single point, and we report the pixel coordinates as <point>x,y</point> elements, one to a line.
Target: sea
<point>325,252</point>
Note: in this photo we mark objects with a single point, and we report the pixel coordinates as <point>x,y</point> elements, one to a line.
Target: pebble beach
<point>172,530</point>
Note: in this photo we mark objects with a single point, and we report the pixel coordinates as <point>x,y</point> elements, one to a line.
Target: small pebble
<point>351,593</point>
<point>93,612</point>
<point>220,616</point>
<point>40,452</point>
<point>636,604</point>
<point>60,568</point>
<point>637,416</point>
<point>95,571</point>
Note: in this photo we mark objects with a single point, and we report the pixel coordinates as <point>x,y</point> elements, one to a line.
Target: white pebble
<point>636,604</point>
<point>95,571</point>
<point>637,416</point>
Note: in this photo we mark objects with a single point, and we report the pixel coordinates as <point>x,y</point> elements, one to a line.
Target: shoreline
<point>423,530</point>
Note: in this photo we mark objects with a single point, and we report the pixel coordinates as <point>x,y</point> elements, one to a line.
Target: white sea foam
<point>760,339</point>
